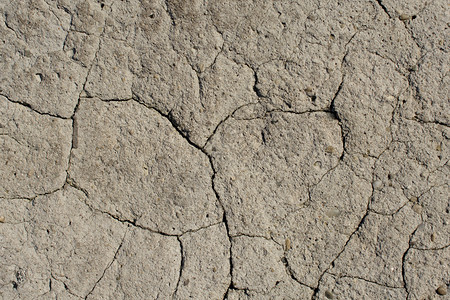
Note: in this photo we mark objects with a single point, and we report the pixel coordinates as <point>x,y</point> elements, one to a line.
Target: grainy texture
<point>273,149</point>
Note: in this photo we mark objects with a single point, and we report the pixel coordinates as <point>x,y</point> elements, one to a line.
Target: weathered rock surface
<point>169,149</point>
<point>34,152</point>
<point>134,165</point>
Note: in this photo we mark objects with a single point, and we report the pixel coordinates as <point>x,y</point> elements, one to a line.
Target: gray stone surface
<point>206,264</point>
<point>35,151</point>
<point>346,287</point>
<point>274,149</point>
<point>134,165</point>
<point>426,271</point>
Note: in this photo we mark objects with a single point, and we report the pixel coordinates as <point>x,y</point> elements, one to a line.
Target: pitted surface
<point>275,149</point>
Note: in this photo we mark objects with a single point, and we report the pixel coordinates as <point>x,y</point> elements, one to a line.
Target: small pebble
<point>287,244</point>
<point>404,17</point>
<point>433,237</point>
<point>377,184</point>
<point>2,219</point>
<point>329,149</point>
<point>442,290</point>
<point>201,67</point>
<point>329,295</point>
<point>27,53</point>
<point>309,91</point>
<point>413,199</point>
<point>417,208</point>
<point>334,212</point>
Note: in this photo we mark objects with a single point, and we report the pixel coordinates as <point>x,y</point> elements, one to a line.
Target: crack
<point>112,99</point>
<point>397,66</point>
<point>13,138</point>
<point>65,286</point>
<point>181,267</point>
<point>109,265</point>
<point>279,110</point>
<point>423,122</point>
<point>431,249</point>
<point>50,8</point>
<point>361,223</point>
<point>366,280</point>
<point>8,26</point>
<point>223,121</point>
<point>335,113</point>
<point>74,142</point>
<point>172,121</point>
<point>133,223</point>
<point>175,126</point>
<point>271,239</point>
<point>257,91</point>
<point>70,26</point>
<point>27,105</point>
<point>93,63</point>
<point>34,196</point>
<point>71,182</point>
<point>389,214</point>
<point>380,3</point>
<point>291,274</point>
<point>170,13</point>
<point>316,290</point>
<point>405,285</point>
<point>225,222</point>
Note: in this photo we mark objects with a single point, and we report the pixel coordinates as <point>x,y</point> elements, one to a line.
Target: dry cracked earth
<point>224,149</point>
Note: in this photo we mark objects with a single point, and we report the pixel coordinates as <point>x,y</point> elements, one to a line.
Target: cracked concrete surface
<point>168,149</point>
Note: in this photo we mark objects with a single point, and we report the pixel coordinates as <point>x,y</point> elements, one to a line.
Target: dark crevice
<point>74,141</point>
<point>255,88</point>
<point>71,182</point>
<point>8,26</point>
<point>181,267</point>
<point>291,274</point>
<point>112,99</point>
<point>316,290</point>
<point>225,222</point>
<point>34,196</point>
<point>27,105</point>
<point>366,280</point>
<point>201,88</point>
<point>224,219</point>
<point>404,260</point>
<point>271,239</point>
<point>380,3</point>
<point>133,223</point>
<point>108,266</point>
<point>223,121</point>
<point>65,286</point>
<point>170,13</point>
<point>422,122</point>
<point>430,249</point>
<point>70,26</point>
<point>335,113</point>
<point>388,214</point>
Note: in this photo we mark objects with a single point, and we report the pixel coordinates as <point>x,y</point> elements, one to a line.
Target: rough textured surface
<point>34,151</point>
<point>133,164</point>
<point>274,149</point>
